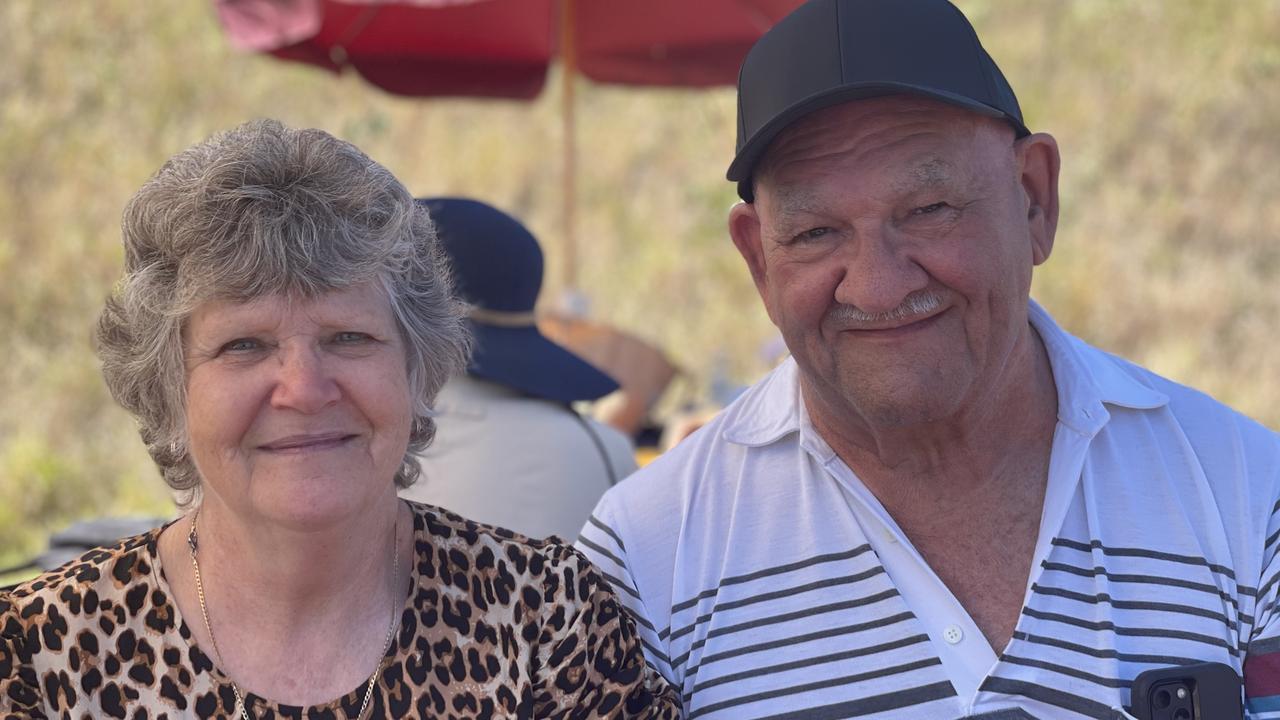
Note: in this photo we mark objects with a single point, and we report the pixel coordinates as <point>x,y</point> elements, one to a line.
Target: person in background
<point>282,327</point>
<point>511,450</point>
<point>943,505</point>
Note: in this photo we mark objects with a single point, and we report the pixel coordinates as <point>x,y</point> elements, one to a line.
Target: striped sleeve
<point>603,544</point>
<point>1262,664</point>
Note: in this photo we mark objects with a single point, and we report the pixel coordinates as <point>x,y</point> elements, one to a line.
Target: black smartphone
<point>1203,691</point>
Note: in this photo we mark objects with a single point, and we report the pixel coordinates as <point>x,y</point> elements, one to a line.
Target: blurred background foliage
<point>1167,112</point>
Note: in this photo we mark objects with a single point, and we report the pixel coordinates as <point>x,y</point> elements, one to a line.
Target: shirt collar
<point>1087,379</point>
<point>768,410</point>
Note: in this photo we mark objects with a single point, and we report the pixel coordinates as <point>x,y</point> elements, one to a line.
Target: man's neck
<point>969,493</point>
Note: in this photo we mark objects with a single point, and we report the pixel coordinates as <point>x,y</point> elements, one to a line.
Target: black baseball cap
<point>829,52</point>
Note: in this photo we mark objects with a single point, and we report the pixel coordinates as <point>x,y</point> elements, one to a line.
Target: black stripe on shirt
<point>767,572</point>
<point>865,706</point>
<point>778,594</point>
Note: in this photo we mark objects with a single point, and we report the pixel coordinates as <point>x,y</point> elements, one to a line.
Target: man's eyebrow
<point>931,172</point>
<point>793,200</point>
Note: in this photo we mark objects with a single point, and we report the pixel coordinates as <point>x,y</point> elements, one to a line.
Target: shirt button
<point>952,634</point>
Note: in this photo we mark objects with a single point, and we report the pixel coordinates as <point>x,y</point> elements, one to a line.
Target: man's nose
<point>879,272</point>
<point>305,382</point>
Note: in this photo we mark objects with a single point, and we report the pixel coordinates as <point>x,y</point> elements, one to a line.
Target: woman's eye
<point>241,345</point>
<point>350,337</point>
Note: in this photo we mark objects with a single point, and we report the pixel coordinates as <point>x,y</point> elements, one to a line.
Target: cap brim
<point>522,358</point>
<point>743,166</point>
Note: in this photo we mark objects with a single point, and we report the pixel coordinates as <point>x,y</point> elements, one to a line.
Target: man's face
<point>892,242</point>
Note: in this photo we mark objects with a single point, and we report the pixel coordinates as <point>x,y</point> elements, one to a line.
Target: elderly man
<point>943,505</point>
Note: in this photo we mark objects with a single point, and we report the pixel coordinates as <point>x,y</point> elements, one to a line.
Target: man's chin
<point>902,402</point>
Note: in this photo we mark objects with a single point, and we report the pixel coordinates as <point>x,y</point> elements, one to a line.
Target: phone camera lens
<point>1163,699</point>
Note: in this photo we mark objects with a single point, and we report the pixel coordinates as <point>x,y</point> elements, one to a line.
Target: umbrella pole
<point>569,59</point>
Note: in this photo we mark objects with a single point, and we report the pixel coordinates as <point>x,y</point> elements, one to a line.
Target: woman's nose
<point>304,382</point>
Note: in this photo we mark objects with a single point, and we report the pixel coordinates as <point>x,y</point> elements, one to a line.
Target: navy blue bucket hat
<point>497,269</point>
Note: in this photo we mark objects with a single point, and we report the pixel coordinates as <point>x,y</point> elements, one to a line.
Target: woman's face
<point>298,410</point>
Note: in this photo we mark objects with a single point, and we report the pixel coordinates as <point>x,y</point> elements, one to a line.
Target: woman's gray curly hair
<point>269,210</point>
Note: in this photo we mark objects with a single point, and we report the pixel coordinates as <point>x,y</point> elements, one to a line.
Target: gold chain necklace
<point>391,629</point>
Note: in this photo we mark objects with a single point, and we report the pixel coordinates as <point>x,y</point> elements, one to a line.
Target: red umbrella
<point>502,48</point>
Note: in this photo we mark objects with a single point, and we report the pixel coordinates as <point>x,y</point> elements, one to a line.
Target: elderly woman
<point>282,327</point>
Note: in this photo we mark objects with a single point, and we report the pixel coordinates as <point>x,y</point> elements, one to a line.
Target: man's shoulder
<point>1211,426</point>
<point>713,457</point>
<point>1182,399</point>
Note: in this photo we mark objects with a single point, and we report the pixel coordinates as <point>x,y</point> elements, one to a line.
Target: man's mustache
<point>918,303</point>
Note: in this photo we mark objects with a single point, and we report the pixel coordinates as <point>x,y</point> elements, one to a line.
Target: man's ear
<point>1038,165</point>
<point>744,228</point>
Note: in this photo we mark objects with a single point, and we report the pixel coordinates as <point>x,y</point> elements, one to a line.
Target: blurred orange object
<point>646,454</point>
<point>642,370</point>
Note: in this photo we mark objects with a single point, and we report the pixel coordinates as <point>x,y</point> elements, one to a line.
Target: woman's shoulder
<point>470,547</point>
<point>528,613</point>
<point>446,527</point>
<point>106,583</point>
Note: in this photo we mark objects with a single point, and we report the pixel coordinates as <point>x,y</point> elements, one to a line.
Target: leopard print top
<point>497,626</point>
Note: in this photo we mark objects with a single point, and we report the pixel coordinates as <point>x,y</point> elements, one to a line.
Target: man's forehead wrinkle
<point>827,142</point>
<point>898,146</point>
<point>795,197</point>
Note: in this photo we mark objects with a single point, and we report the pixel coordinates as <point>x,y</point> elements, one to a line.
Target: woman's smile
<point>310,442</point>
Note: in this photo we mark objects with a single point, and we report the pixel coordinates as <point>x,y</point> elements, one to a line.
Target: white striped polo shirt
<point>754,562</point>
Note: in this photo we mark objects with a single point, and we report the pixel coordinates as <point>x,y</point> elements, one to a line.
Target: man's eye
<point>811,234</point>
<point>929,209</point>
